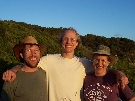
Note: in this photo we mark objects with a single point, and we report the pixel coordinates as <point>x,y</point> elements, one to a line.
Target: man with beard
<point>30,83</point>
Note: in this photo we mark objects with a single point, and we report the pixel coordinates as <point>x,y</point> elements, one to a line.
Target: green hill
<point>12,32</point>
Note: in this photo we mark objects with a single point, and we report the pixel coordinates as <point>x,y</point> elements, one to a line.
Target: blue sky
<point>108,18</point>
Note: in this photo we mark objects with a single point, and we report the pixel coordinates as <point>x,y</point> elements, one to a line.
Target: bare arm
<point>122,79</point>
<point>10,75</point>
<point>133,99</point>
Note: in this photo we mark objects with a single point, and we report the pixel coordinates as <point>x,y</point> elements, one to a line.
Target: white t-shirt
<point>65,76</point>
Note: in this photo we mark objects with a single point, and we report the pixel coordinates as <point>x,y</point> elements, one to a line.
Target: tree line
<point>12,32</point>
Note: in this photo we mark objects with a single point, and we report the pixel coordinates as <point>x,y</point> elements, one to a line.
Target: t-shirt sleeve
<point>88,65</point>
<point>7,93</point>
<point>43,63</point>
<point>126,93</point>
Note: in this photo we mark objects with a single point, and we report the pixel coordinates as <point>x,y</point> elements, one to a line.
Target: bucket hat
<point>104,50</point>
<point>29,40</point>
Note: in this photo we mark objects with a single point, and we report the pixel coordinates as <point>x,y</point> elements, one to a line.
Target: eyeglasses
<point>100,60</point>
<point>71,39</point>
<point>29,51</point>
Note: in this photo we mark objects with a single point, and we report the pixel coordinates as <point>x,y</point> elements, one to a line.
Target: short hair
<point>71,29</point>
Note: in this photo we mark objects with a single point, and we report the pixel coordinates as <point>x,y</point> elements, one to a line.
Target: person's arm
<point>7,92</point>
<point>133,99</point>
<point>122,79</point>
<point>4,96</point>
<point>10,75</point>
<point>126,94</point>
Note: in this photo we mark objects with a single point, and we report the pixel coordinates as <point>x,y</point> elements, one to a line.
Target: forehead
<point>31,46</point>
<point>100,56</point>
<point>70,34</point>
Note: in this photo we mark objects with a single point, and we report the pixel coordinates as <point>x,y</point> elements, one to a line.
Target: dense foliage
<point>12,32</point>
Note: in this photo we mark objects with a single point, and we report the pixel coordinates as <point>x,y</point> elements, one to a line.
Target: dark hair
<point>71,29</point>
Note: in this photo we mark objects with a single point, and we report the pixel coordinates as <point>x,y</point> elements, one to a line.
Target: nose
<point>33,52</point>
<point>68,40</point>
<point>99,62</point>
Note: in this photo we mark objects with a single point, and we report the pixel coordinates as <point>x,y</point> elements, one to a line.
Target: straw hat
<point>29,40</point>
<point>101,49</point>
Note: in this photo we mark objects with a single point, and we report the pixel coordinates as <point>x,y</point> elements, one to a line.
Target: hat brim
<point>17,49</point>
<point>113,58</point>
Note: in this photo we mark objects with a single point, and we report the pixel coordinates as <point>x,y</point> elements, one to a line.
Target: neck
<point>67,55</point>
<point>100,74</point>
<point>28,69</point>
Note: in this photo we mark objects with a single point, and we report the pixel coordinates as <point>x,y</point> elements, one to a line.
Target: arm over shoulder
<point>126,93</point>
<point>42,63</point>
<point>133,99</point>
<point>88,65</point>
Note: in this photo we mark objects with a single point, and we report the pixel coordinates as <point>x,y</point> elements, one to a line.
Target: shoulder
<point>88,64</point>
<point>90,77</point>
<point>40,70</point>
<point>48,59</point>
<point>126,92</point>
<point>49,56</point>
<point>90,74</point>
<point>84,60</point>
<point>110,76</point>
<point>19,73</point>
<point>10,85</point>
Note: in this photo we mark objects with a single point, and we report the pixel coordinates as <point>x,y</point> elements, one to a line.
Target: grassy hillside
<point>12,32</point>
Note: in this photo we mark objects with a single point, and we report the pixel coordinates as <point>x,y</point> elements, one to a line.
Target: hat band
<point>102,52</point>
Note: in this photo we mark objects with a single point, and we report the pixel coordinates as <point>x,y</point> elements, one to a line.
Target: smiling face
<point>31,55</point>
<point>100,63</point>
<point>69,41</point>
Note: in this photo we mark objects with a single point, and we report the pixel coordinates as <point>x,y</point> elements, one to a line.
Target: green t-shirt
<point>28,86</point>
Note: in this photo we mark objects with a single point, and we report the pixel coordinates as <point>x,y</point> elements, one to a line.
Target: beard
<point>30,64</point>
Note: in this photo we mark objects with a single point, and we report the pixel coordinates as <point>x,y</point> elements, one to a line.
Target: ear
<point>21,55</point>
<point>77,44</point>
<point>109,63</point>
